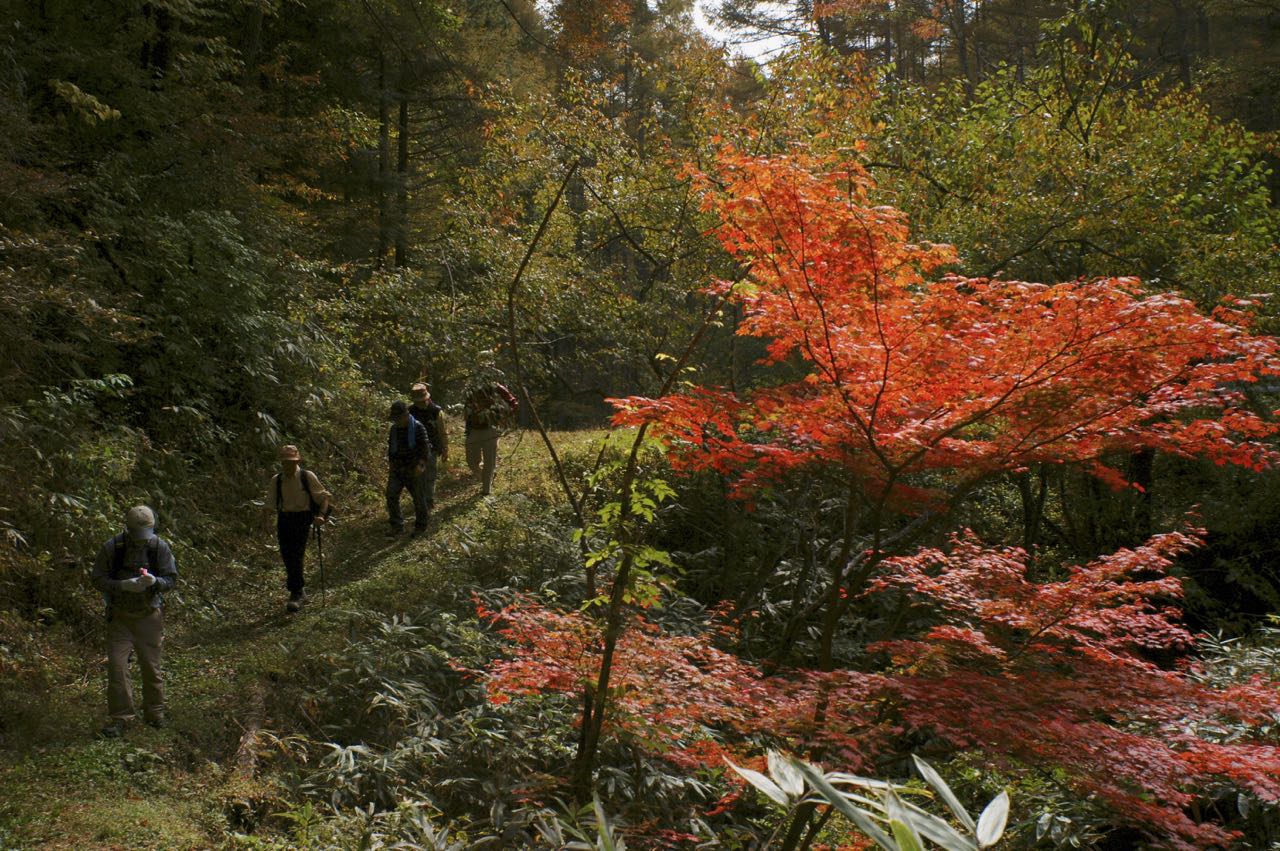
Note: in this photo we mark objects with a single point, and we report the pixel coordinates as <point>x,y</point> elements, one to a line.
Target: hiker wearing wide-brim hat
<point>133,570</point>
<point>428,412</point>
<point>408,453</point>
<point>300,502</point>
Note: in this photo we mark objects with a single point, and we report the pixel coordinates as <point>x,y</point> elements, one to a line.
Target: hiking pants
<point>427,481</point>
<point>292,529</point>
<point>400,480</point>
<point>482,454</point>
<point>142,634</point>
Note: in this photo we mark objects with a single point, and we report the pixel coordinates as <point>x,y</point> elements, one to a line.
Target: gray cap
<point>140,521</point>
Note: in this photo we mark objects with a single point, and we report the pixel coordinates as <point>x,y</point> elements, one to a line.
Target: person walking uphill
<point>301,502</point>
<point>408,452</point>
<point>431,415</point>
<point>133,570</point>
<point>488,407</point>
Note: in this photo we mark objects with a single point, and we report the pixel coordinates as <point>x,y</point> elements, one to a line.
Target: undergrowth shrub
<point>405,720</point>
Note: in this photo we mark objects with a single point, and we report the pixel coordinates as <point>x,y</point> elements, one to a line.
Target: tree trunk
<point>157,47</point>
<point>402,182</point>
<point>960,34</point>
<point>1142,474</point>
<point>1182,40</point>
<point>1032,506</point>
<point>384,160</point>
<point>251,45</point>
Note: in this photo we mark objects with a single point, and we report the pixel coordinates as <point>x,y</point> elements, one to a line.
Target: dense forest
<point>893,460</point>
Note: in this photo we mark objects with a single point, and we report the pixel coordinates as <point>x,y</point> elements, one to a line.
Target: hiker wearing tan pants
<point>488,406</point>
<point>144,635</point>
<point>133,570</point>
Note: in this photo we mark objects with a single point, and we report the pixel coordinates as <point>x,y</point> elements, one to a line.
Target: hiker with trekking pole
<point>301,504</point>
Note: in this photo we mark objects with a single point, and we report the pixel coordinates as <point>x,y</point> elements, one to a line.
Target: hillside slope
<point>244,683</point>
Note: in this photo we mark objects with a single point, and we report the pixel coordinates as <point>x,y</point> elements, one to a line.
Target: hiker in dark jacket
<point>408,450</point>
<point>300,502</point>
<point>133,570</point>
<point>425,410</point>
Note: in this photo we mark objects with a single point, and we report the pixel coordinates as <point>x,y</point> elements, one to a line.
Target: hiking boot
<point>296,599</point>
<point>159,720</point>
<point>114,729</point>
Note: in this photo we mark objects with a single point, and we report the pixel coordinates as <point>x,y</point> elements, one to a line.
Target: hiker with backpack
<point>301,502</point>
<point>133,570</point>
<point>426,411</point>
<point>408,454</point>
<point>489,407</point>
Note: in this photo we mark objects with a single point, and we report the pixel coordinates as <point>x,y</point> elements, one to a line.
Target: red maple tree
<point>969,376</point>
<point>1055,675</point>
<point>958,379</point>
<point>917,387</point>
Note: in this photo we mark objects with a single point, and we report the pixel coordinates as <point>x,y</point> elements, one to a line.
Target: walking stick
<point>320,552</point>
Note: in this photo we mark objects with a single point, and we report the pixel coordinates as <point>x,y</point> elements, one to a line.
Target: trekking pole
<point>320,552</point>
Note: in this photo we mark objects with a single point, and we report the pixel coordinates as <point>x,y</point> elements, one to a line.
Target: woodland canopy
<point>898,430</point>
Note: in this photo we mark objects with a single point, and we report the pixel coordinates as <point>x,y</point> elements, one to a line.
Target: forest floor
<point>191,784</point>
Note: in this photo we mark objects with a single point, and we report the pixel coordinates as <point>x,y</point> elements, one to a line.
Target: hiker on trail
<point>408,453</point>
<point>425,410</point>
<point>300,502</point>
<point>133,570</point>
<point>488,408</point>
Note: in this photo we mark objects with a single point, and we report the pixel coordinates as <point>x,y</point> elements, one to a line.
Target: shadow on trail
<point>353,546</point>
<point>351,549</point>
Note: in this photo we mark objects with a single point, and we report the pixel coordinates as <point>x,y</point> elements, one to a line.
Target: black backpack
<point>306,486</point>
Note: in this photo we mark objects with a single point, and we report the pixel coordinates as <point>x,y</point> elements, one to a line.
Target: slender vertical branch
<point>384,159</point>
<point>402,178</point>
<point>596,700</point>
<point>574,501</point>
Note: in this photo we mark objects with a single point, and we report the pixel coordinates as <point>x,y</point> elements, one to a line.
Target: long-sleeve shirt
<point>489,406</point>
<point>432,416</point>
<point>293,497</point>
<point>107,577</point>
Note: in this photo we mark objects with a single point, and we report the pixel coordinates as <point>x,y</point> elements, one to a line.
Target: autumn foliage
<point>916,386</point>
<point>1056,675</point>
<point>905,374</point>
<point>1065,674</point>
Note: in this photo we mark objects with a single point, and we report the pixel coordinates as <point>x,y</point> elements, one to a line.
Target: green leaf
<point>900,823</point>
<point>764,784</point>
<point>934,779</point>
<point>861,818</point>
<point>602,825</point>
<point>906,837</point>
<point>785,773</point>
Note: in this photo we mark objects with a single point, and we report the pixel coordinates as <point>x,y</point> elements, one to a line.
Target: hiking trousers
<point>427,482</point>
<point>143,634</point>
<point>292,531</point>
<point>401,480</point>
<point>482,454</point>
